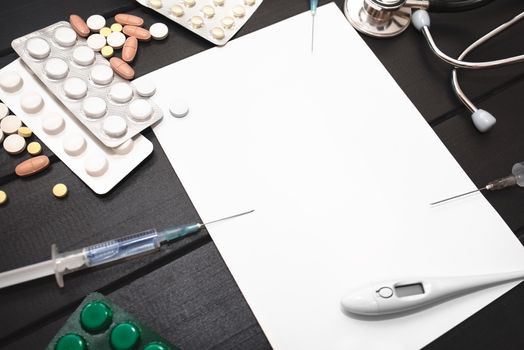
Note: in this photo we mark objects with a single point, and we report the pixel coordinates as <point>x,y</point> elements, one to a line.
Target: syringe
<point>516,178</point>
<point>102,253</point>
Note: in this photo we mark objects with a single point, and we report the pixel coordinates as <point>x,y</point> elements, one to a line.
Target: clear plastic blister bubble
<point>215,20</point>
<point>73,72</point>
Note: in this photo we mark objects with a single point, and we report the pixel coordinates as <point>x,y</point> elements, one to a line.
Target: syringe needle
<point>312,30</point>
<point>457,196</point>
<point>229,217</point>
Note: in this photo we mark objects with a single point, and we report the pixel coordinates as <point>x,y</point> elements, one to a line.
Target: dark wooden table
<point>186,293</point>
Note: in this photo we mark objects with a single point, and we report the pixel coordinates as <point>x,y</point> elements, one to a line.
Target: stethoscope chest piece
<point>378,18</point>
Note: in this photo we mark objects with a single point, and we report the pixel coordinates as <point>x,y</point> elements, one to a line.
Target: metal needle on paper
<point>313,8</point>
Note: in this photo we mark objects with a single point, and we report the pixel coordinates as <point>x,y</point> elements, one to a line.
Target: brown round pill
<point>122,68</point>
<point>139,33</point>
<point>129,49</point>
<point>32,166</point>
<point>79,26</point>
<point>126,19</point>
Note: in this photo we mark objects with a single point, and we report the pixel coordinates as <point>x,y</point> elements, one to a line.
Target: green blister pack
<point>99,324</point>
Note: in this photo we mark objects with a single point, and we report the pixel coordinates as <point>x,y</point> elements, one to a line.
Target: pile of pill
<point>214,20</point>
<point>14,136</point>
<point>124,34</point>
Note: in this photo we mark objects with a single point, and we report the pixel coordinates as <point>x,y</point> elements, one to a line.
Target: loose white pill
<point>4,111</point>
<point>75,88</point>
<point>31,102</point>
<point>94,107</point>
<point>228,22</point>
<point>121,92</point>
<point>102,74</point>
<point>177,10</point>
<point>208,11</point>
<point>140,110</point>
<point>65,36</point>
<point>38,48</point>
<point>74,144</point>
<point>96,165</point>
<point>116,40</point>
<point>53,124</point>
<point>96,22</point>
<point>239,11</point>
<point>178,108</point>
<point>158,31</point>
<point>197,21</point>
<point>11,81</point>
<point>14,144</point>
<point>56,68</point>
<point>218,33</point>
<point>114,126</point>
<point>96,42</point>
<point>10,124</point>
<point>145,87</point>
<point>83,55</point>
<point>124,148</point>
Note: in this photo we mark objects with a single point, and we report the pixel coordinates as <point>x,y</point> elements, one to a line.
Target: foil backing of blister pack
<point>94,90</point>
<point>208,23</point>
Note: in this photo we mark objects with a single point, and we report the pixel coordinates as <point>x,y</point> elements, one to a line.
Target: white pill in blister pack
<point>31,102</point>
<point>10,81</point>
<point>215,20</point>
<point>144,87</point>
<point>75,73</point>
<point>94,107</point>
<point>140,110</point>
<point>100,167</point>
<point>114,126</point>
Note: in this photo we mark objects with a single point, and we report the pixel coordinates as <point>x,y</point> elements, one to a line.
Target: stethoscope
<point>388,18</point>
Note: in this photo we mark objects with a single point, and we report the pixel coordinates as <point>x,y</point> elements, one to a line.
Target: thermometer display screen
<point>409,290</point>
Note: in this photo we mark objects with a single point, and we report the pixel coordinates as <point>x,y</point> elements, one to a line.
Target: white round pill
<point>75,88</point>
<point>96,165</point>
<point>144,87</point>
<point>11,81</point>
<point>4,111</point>
<point>94,107</point>
<point>158,31</point>
<point>65,36</point>
<point>114,126</point>
<point>179,108</point>
<point>189,3</point>
<point>96,22</point>
<point>239,11</point>
<point>208,11</point>
<point>83,55</point>
<point>53,124</point>
<point>38,48</point>
<point>156,4</point>
<point>228,22</point>
<point>96,41</point>
<point>31,102</point>
<point>121,92</point>
<point>74,144</point>
<point>124,148</point>
<point>140,110</point>
<point>197,21</point>
<point>14,144</point>
<point>101,74</point>
<point>116,40</point>
<point>10,124</point>
<point>249,2</point>
<point>56,68</point>
<point>218,2</point>
<point>218,33</point>
<point>177,10</point>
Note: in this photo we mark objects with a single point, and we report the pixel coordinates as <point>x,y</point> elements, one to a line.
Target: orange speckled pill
<point>79,26</point>
<point>121,68</point>
<point>32,166</point>
<point>125,19</point>
<point>129,49</point>
<point>139,33</point>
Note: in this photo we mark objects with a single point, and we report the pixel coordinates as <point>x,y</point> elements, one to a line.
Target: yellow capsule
<point>105,31</point>
<point>25,132</point>
<point>107,51</point>
<point>34,148</point>
<point>116,27</point>
<point>60,190</point>
<point>3,197</point>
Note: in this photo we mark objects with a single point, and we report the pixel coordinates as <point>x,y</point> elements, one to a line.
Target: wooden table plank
<point>193,302</point>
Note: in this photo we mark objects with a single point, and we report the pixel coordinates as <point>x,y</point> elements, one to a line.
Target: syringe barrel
<point>518,171</point>
<point>121,248</point>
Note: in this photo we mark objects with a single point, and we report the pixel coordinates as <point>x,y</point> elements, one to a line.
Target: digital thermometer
<point>391,297</point>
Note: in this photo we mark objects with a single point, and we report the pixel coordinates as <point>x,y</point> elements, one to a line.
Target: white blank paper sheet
<point>340,168</point>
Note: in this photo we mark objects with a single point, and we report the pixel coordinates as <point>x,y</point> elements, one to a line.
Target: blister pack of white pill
<point>214,20</point>
<point>100,167</point>
<point>84,82</point>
